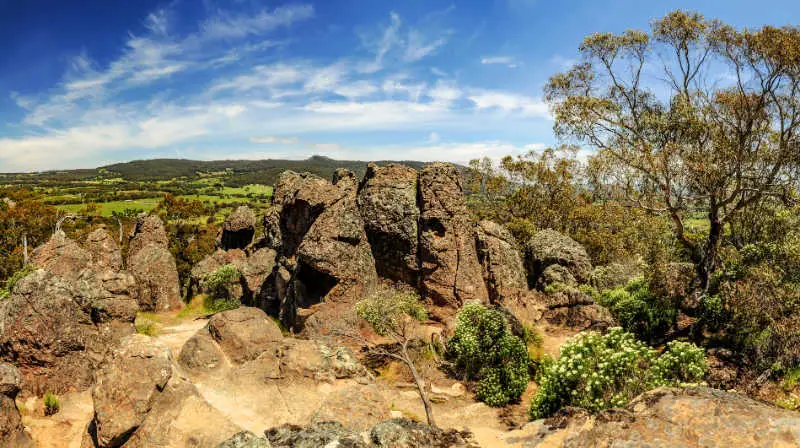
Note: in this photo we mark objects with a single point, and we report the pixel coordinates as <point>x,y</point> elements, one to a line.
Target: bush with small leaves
<point>597,372</point>
<point>387,308</point>
<point>12,281</point>
<point>219,284</point>
<point>638,310</point>
<point>484,349</point>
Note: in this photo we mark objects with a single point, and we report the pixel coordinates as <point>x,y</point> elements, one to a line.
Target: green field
<point>108,208</point>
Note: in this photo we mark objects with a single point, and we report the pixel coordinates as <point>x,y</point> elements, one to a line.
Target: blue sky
<point>108,81</point>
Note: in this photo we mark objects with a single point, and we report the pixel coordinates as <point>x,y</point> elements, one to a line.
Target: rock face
<point>57,330</point>
<point>12,434</point>
<point>387,199</point>
<point>126,385</point>
<point>671,417</point>
<point>548,248</point>
<point>104,250</point>
<point>238,229</point>
<point>334,261</point>
<point>499,254</point>
<point>154,266</point>
<point>62,256</point>
<point>448,258</point>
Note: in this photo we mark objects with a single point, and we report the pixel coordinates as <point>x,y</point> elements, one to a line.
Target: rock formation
<point>549,248</point>
<point>154,266</point>
<point>57,330</point>
<point>387,200</point>
<point>450,272</point>
<point>104,250</point>
<point>501,259</point>
<point>238,229</point>
<point>125,387</point>
<point>62,256</point>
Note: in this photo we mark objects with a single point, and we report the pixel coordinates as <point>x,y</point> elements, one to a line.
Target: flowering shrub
<point>483,349</point>
<point>597,371</point>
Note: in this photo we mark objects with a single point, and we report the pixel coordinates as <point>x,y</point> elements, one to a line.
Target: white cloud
<point>358,89</point>
<point>227,26</point>
<point>510,102</point>
<point>418,48</point>
<point>433,137</point>
<point>445,93</point>
<point>508,61</point>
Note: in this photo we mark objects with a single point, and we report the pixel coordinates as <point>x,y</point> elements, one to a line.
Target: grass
<point>147,324</point>
<point>51,404</point>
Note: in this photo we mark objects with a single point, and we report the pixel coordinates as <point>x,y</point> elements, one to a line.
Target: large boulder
<point>157,274</point>
<point>126,386</point>
<point>357,407</point>
<point>405,433</point>
<point>12,432</point>
<point>104,251</point>
<point>547,248</point>
<point>257,275</point>
<point>238,229</point>
<point>62,256</point>
<point>387,200</point>
<point>57,330</point>
<point>244,333</point>
<point>320,434</point>
<point>451,273</point>
<point>501,258</point>
<point>670,417</point>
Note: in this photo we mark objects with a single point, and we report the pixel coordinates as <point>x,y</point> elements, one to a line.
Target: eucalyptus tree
<point>690,117</point>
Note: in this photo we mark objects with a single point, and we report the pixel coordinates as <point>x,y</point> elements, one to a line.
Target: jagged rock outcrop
<point>238,229</point>
<point>259,282</point>
<point>149,229</point>
<point>334,261</point>
<point>669,417</point>
<point>62,256</point>
<point>12,434</point>
<point>405,433</point>
<point>301,198</point>
<point>126,385</point>
<point>547,248</point>
<point>57,330</point>
<point>387,200</point>
<point>150,261</point>
<point>104,251</point>
<point>450,272</point>
<point>501,258</point>
<point>321,434</point>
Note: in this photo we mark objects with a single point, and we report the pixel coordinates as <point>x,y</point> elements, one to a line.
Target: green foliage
<point>51,404</point>
<point>597,372</point>
<point>219,284</point>
<point>387,310</point>
<point>484,349</point>
<point>6,291</point>
<point>638,310</point>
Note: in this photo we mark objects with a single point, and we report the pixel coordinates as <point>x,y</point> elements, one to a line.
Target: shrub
<point>219,284</point>
<point>51,404</point>
<point>385,310</point>
<point>638,310</point>
<point>12,281</point>
<point>484,349</point>
<point>597,371</point>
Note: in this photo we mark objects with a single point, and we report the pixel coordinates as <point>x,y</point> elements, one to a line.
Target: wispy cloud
<point>509,102</point>
<point>508,61</point>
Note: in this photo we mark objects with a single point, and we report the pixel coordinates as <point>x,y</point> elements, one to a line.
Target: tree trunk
<point>420,387</point>
<point>706,262</point>
<point>24,249</point>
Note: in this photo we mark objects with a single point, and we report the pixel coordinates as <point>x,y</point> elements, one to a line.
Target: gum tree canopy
<point>692,116</point>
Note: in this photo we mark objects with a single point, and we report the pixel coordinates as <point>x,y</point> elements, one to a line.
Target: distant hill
<point>240,172</point>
